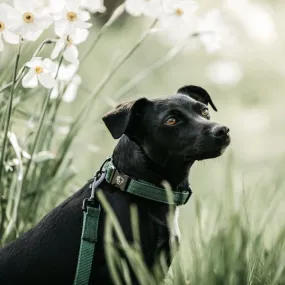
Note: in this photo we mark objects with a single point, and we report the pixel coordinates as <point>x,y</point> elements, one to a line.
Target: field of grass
<point>233,228</point>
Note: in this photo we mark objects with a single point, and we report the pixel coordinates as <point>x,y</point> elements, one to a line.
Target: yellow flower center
<point>28,17</point>
<point>2,26</point>
<point>39,70</point>
<point>71,16</point>
<point>179,12</point>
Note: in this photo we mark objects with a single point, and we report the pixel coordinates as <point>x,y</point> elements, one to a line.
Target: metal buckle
<point>119,180</point>
<point>89,202</point>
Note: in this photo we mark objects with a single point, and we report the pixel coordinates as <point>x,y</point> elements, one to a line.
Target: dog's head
<point>177,126</point>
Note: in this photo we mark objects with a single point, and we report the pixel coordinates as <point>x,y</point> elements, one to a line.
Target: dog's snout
<point>220,131</point>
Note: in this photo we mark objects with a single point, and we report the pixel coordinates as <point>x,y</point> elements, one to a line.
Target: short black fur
<point>149,149</point>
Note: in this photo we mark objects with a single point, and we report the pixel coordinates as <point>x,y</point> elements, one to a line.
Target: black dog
<point>160,140</point>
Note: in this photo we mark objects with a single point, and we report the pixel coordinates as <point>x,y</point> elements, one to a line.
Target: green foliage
<point>232,228</point>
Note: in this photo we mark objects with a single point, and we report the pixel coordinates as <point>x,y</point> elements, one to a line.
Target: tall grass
<point>220,248</point>
<point>223,241</point>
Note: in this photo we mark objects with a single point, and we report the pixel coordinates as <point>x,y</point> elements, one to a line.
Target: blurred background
<point>245,78</point>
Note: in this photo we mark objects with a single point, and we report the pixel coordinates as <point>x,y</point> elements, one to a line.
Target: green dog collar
<point>142,188</point>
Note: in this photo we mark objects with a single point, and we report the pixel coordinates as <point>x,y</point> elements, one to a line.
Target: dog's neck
<point>130,158</point>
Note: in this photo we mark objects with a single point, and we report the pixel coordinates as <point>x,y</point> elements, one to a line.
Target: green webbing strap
<point>142,188</point>
<point>154,193</point>
<point>87,246</point>
<point>91,214</point>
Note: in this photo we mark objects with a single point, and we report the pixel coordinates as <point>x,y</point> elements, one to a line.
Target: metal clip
<point>96,182</point>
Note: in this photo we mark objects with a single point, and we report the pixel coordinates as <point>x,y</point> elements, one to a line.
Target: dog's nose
<point>220,131</point>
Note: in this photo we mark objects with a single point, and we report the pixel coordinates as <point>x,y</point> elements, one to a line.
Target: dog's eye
<point>171,121</point>
<point>205,112</point>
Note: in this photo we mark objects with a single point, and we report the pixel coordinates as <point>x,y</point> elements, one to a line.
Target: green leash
<point>92,209</point>
<point>87,246</point>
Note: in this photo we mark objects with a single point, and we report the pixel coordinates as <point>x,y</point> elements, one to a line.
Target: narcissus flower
<point>178,14</point>
<point>67,75</point>
<point>40,71</point>
<point>149,8</point>
<point>68,44</point>
<point>70,18</point>
<point>4,29</point>
<point>72,89</point>
<point>27,20</point>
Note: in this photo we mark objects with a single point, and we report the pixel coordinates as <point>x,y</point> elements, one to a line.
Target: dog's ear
<point>197,93</point>
<point>124,117</point>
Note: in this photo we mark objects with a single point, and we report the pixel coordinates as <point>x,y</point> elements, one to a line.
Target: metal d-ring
<point>96,182</point>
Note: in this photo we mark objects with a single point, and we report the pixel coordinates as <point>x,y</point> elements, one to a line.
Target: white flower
<point>40,71</point>
<point>150,8</point>
<point>71,90</point>
<point>66,75</point>
<point>213,31</point>
<point>179,14</point>
<point>70,18</point>
<point>93,6</point>
<point>4,29</point>
<point>27,20</point>
<point>68,44</point>
<point>67,72</point>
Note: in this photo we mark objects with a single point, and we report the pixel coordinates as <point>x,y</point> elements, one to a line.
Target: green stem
<point>22,70</point>
<point>117,13</point>
<point>154,66</point>
<point>88,103</point>
<point>39,127</point>
<point>9,112</point>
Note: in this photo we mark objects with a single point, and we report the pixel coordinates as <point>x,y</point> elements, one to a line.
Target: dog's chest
<point>161,232</point>
<point>157,228</point>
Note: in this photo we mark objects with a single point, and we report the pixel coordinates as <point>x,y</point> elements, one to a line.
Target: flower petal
<point>67,72</point>
<point>50,65</point>
<point>46,80</point>
<point>61,22</point>
<point>56,6</point>
<point>59,46</point>
<point>32,36</point>
<point>35,61</point>
<point>22,6</point>
<point>94,6</point>
<point>14,19</point>
<point>55,91</point>
<point>70,27</point>
<point>73,5</point>
<point>26,6</point>
<point>3,15</point>
<point>79,36</point>
<point>71,90</point>
<point>71,54</point>
<point>60,31</point>
<point>135,7</point>
<point>43,21</point>
<point>10,37</point>
<point>83,25</point>
<point>30,80</point>
<point>83,15</point>
<point>1,45</point>
<point>153,8</point>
